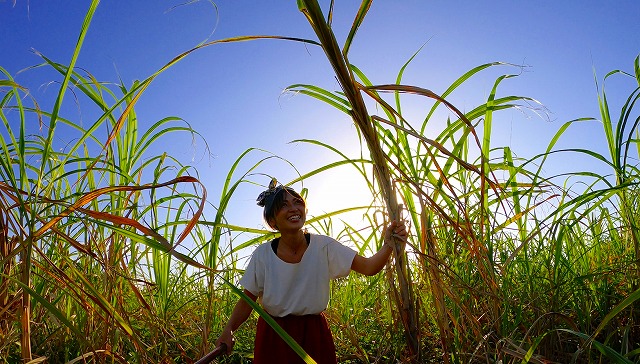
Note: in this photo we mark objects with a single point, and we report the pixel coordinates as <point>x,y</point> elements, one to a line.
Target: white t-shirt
<point>297,288</point>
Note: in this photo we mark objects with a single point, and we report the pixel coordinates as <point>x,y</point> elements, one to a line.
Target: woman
<point>291,275</point>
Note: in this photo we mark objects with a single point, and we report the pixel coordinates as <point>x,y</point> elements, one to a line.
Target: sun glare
<point>342,189</point>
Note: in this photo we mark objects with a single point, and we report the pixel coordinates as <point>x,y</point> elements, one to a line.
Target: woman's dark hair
<point>270,209</point>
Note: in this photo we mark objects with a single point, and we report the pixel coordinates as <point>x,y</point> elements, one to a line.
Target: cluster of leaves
<point>503,263</point>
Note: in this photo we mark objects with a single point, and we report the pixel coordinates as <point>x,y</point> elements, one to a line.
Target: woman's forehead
<point>291,197</point>
<point>288,196</point>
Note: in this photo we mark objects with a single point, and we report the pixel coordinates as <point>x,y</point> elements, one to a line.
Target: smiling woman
<point>291,274</point>
<point>282,206</point>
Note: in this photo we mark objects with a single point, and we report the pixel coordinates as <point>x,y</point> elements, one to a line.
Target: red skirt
<point>310,331</point>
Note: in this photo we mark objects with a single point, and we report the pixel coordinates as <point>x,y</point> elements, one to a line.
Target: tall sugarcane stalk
<point>338,60</point>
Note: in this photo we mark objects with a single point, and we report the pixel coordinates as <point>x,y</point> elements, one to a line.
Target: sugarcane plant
<point>503,263</point>
<point>442,190</point>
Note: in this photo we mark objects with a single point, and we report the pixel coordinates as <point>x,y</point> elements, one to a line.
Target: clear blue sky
<point>232,93</point>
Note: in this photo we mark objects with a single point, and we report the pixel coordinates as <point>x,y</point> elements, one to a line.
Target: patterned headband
<point>266,197</point>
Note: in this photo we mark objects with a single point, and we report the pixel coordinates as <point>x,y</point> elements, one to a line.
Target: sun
<point>342,188</point>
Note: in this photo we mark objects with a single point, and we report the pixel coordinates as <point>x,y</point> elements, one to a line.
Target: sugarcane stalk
<point>382,173</point>
<point>25,318</point>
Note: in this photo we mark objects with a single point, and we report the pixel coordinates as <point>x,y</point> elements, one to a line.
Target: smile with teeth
<point>294,218</point>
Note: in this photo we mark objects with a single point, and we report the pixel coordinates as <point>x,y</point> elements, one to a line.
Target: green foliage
<point>108,256</point>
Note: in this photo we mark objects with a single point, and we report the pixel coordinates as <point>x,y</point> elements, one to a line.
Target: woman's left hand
<point>395,233</point>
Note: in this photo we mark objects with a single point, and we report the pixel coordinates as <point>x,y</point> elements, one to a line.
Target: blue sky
<point>232,93</point>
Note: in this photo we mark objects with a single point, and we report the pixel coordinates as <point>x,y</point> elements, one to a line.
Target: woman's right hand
<point>226,338</point>
<point>240,313</point>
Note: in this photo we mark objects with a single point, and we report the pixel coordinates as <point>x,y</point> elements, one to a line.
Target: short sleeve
<point>253,278</point>
<point>340,259</point>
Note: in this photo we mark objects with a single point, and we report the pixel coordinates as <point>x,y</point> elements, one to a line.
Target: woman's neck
<point>293,240</point>
<point>291,247</point>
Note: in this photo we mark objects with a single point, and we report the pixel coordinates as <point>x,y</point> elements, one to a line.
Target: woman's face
<point>291,216</point>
